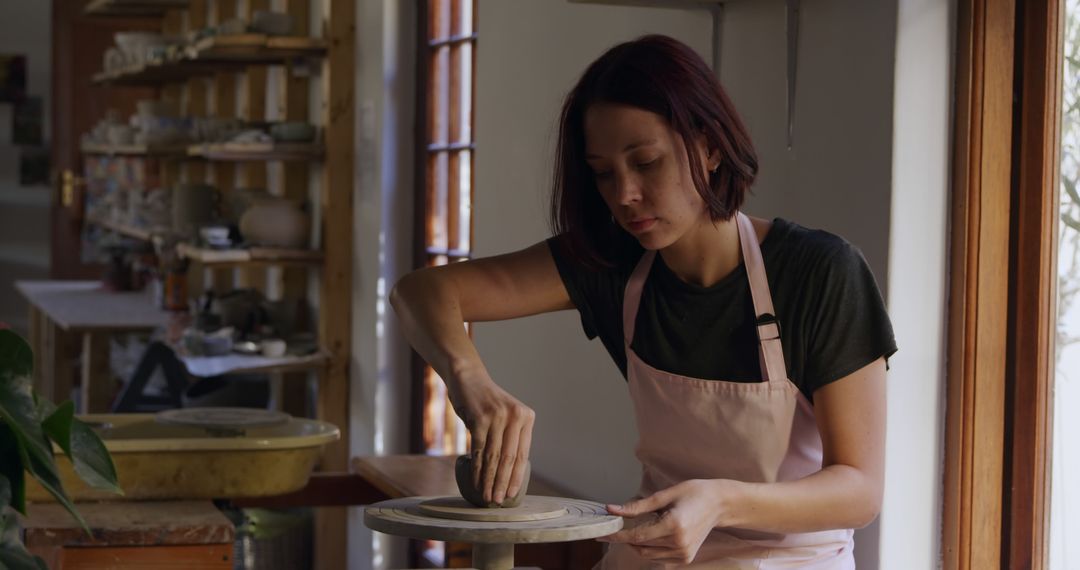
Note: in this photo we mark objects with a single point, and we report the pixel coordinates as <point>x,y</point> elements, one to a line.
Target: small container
<point>293,131</point>
<point>273,348</point>
<point>271,23</point>
<point>215,236</point>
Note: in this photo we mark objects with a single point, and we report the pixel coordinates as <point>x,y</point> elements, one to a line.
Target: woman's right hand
<point>501,428</point>
<point>433,304</point>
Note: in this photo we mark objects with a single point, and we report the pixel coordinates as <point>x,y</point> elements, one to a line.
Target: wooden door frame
<point>1006,164</point>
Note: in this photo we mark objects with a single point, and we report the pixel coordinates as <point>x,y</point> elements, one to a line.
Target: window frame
<point>1000,331</point>
<point>426,254</point>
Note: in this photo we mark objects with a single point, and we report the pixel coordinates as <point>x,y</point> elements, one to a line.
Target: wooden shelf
<point>250,256</point>
<point>251,49</point>
<point>134,149</point>
<point>125,230</point>
<point>243,364</point>
<point>256,151</point>
<point>216,54</point>
<point>132,7</point>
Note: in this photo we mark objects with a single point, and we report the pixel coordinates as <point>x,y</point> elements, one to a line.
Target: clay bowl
<point>463,475</point>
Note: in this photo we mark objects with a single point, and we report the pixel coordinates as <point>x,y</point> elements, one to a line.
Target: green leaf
<point>11,470</point>
<point>19,411</point>
<point>84,448</point>
<point>5,492</point>
<point>91,459</point>
<point>57,422</point>
<point>15,355</point>
<point>47,475</point>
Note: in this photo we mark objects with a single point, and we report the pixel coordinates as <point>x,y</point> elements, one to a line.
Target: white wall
<point>379,373</point>
<point>24,211</point>
<point>911,515</point>
<point>837,175</point>
<point>530,53</point>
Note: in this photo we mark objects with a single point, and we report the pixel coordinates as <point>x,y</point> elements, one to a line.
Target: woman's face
<point>641,169</point>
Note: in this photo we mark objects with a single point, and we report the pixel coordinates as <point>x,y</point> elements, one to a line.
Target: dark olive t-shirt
<point>832,317</point>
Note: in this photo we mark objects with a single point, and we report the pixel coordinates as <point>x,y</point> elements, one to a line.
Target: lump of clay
<point>463,474</point>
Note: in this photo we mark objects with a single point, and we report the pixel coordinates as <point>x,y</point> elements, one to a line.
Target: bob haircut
<point>665,76</point>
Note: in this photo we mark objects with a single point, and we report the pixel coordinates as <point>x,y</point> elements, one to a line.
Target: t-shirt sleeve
<point>850,327</point>
<point>577,283</point>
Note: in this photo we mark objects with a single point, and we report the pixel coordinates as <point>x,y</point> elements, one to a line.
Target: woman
<point>754,350</point>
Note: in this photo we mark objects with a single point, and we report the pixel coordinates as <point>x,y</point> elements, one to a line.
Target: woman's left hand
<point>686,513</point>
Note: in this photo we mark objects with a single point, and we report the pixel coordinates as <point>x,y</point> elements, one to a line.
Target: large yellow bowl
<point>156,460</point>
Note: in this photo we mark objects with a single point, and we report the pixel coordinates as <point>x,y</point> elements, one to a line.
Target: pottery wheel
<point>412,517</point>
<point>223,418</point>
<point>456,508</point>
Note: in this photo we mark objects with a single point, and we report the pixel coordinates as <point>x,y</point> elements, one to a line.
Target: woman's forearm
<point>838,496</point>
<point>429,311</point>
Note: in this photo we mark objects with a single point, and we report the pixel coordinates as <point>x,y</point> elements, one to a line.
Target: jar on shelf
<point>275,222</point>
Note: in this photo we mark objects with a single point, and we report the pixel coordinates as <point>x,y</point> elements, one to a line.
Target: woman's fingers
<point>491,454</point>
<point>512,438</point>
<point>522,459</point>
<point>479,432</point>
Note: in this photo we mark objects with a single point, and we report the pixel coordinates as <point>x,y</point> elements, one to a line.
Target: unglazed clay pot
<point>463,475</point>
<point>275,222</point>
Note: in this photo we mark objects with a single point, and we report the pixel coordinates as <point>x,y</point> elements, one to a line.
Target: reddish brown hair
<point>665,76</point>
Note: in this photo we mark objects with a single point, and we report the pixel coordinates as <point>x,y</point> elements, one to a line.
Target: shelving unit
<point>256,151</point>
<point>241,364</point>
<point>132,7</point>
<point>122,229</point>
<point>177,150</point>
<point>228,76</point>
<point>217,54</point>
<point>251,256</point>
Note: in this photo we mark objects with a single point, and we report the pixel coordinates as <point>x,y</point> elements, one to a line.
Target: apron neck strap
<point>632,295</point>
<point>770,350</point>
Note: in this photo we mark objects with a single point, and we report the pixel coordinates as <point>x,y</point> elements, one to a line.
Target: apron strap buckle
<point>768,327</point>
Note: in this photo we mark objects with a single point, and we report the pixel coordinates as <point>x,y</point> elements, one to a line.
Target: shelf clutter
<point>132,7</point>
<point>213,55</point>
<point>238,201</point>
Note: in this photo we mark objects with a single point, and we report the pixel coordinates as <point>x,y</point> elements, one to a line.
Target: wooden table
<point>63,311</point>
<point>131,535</point>
<point>399,476</point>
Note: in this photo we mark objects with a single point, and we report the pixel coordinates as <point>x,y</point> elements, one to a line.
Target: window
<point>447,60</point>
<point>1065,466</point>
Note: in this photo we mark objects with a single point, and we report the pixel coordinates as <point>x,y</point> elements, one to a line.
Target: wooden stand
<point>131,535</point>
<point>493,540</point>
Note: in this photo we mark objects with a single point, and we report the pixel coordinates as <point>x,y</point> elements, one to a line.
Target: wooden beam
<point>222,105</point>
<point>172,25</point>
<point>1032,341</point>
<point>98,385</point>
<point>335,330</point>
<point>979,288</point>
<point>293,96</point>
<point>253,108</point>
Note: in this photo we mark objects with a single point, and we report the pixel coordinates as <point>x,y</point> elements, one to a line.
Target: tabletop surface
<point>128,523</point>
<point>87,306</point>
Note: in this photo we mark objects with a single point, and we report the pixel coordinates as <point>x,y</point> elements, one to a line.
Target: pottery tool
<point>492,531</point>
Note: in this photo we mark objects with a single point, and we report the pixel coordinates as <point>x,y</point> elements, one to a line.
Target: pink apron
<point>691,428</point>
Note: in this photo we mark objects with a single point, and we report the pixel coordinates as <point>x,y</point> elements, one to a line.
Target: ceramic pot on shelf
<point>275,222</point>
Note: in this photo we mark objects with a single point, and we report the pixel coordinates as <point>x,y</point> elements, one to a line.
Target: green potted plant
<point>29,427</point>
